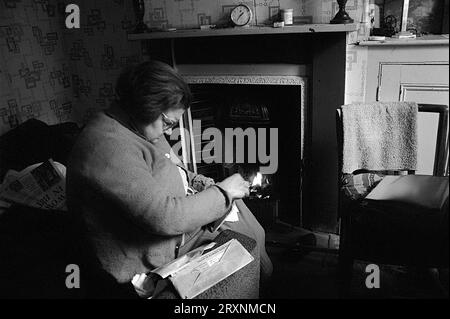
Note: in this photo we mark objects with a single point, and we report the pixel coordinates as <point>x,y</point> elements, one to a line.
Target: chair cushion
<point>356,186</point>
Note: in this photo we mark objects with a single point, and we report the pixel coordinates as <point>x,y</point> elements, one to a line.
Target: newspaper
<point>40,185</point>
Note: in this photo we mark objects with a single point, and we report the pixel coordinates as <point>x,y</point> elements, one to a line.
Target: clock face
<point>241,15</point>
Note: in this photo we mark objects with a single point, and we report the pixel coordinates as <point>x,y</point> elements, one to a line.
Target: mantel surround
<point>244,79</point>
<point>322,49</point>
<point>262,74</point>
<point>272,75</point>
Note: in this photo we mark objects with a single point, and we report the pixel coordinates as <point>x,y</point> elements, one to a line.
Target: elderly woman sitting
<point>132,193</point>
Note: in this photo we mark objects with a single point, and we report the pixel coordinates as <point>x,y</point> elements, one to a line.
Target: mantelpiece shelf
<point>426,40</point>
<point>190,33</point>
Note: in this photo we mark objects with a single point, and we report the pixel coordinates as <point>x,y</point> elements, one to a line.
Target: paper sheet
<point>177,264</point>
<point>233,214</point>
<point>205,271</point>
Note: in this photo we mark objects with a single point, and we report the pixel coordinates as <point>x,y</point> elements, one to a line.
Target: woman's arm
<point>120,175</point>
<point>198,182</point>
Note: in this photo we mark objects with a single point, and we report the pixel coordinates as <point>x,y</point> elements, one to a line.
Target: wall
<point>54,74</point>
<point>34,69</point>
<point>98,51</point>
<point>57,75</point>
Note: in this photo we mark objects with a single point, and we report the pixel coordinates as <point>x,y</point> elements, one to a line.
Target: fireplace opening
<point>270,115</point>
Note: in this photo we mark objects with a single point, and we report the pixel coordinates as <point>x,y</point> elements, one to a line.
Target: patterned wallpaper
<point>99,50</point>
<point>35,78</point>
<point>55,74</point>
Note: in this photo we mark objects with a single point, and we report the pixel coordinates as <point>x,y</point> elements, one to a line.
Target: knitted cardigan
<point>131,197</point>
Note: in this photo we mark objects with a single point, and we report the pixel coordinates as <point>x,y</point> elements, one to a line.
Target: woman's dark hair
<point>150,88</point>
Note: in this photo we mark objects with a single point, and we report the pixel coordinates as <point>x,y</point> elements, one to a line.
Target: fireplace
<point>300,69</point>
<point>263,104</point>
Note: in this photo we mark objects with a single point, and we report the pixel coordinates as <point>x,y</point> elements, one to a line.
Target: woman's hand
<point>235,186</point>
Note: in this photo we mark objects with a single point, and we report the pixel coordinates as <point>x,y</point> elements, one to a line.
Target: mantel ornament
<point>139,11</point>
<point>342,16</point>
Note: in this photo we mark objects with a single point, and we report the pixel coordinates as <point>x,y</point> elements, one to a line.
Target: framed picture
<point>420,17</point>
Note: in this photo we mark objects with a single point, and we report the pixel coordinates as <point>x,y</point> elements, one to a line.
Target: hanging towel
<point>379,136</point>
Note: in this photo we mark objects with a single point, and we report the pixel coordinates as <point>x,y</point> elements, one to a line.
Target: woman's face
<point>162,125</point>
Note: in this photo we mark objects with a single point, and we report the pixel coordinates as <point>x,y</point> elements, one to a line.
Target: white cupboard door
<point>421,83</point>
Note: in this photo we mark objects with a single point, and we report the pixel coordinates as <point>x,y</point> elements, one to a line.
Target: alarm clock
<point>241,15</point>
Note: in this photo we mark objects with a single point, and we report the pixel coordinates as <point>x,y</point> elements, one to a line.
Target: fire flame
<point>257,181</point>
